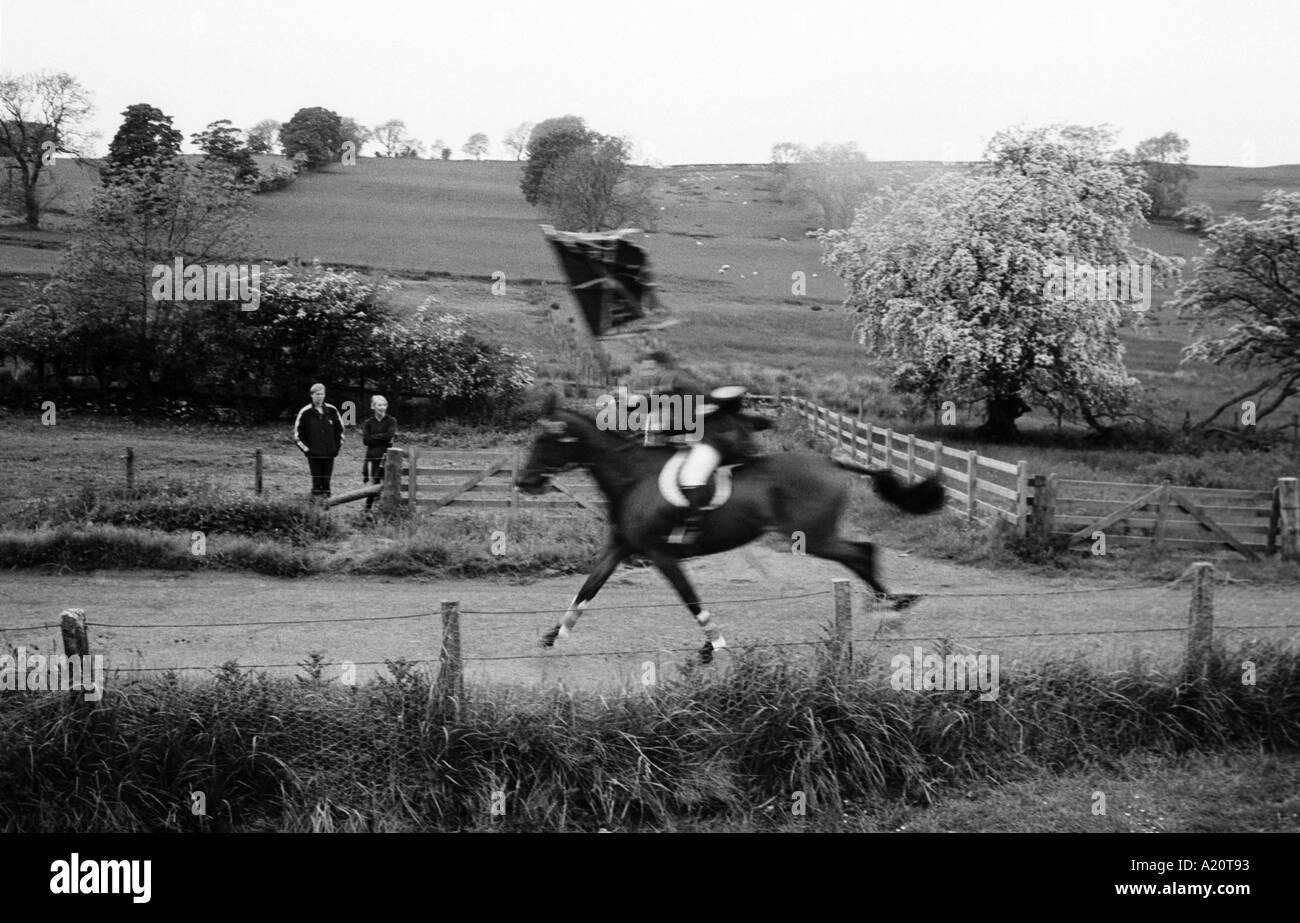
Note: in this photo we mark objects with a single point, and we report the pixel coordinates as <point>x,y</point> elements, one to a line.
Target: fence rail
<point>982,487</point>
<point>488,482</point>
<point>1070,511</point>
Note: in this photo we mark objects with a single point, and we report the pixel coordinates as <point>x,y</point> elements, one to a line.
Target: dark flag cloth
<point>609,276</point>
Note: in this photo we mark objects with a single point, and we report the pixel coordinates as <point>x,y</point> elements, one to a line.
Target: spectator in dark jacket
<point>377,433</point>
<point>318,430</point>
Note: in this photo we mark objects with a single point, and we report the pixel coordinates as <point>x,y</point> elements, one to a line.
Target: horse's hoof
<point>903,601</point>
<point>706,653</point>
<point>548,639</point>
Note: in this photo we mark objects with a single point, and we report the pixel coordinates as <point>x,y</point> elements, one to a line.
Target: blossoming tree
<point>951,279</point>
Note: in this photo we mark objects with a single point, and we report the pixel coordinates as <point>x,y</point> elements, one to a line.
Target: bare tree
<point>391,135</point>
<point>517,138</point>
<point>41,115</point>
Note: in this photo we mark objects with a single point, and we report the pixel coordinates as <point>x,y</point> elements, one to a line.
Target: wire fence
<point>1202,576</point>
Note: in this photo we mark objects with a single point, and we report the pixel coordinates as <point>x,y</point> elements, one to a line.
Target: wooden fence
<point>1250,522</point>
<point>1069,511</point>
<point>431,479</point>
<point>977,487</point>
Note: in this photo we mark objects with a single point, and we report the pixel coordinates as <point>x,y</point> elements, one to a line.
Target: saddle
<point>671,489</point>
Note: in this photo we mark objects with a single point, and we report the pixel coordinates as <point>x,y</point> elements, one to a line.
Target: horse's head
<point>558,447</point>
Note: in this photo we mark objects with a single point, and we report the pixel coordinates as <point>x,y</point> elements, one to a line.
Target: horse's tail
<point>923,497</point>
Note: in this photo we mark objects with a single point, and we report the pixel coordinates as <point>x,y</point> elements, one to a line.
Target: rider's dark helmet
<point>727,399</point>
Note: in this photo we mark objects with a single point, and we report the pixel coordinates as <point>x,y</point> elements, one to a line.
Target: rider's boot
<point>689,527</point>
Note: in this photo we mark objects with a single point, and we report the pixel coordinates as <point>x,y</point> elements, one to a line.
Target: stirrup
<point>686,531</point>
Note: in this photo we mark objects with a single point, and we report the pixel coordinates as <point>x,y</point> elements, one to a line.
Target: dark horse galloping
<point>785,492</point>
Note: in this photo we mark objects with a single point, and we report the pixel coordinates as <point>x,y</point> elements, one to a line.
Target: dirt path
<point>218,612</point>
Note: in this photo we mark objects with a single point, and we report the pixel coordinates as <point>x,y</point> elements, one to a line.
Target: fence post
<point>130,467</point>
<point>857,431</point>
<point>1022,497</point>
<point>451,668</point>
<point>257,472</point>
<point>1200,621</point>
<point>391,494</point>
<point>842,639</point>
<point>972,478</point>
<point>514,488</point>
<point>889,450</point>
<point>72,623</point>
<point>1162,513</point>
<point>938,460</point>
<point>1044,506</point>
<point>911,457</point>
<point>413,489</point>
<point>1288,506</point>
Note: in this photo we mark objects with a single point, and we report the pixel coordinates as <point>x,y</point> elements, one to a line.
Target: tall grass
<point>301,755</point>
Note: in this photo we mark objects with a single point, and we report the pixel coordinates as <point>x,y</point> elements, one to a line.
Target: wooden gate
<point>436,479</point>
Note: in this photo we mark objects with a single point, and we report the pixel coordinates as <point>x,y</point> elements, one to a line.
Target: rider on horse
<point>724,436</point>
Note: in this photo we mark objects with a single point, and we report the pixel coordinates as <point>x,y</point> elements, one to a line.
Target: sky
<point>694,82</point>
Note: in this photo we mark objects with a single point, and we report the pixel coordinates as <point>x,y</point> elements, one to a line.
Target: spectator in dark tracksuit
<point>377,433</point>
<point>318,430</point>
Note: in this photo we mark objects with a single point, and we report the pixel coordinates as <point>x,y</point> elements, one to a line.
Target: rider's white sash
<point>673,493</point>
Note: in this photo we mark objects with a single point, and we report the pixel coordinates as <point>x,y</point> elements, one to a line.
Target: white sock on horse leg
<point>571,617</point>
<point>711,633</point>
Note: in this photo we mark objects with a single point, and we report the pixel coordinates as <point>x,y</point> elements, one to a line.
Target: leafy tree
<point>476,146</point>
<point>446,153</point>
<point>99,302</point>
<point>1196,217</point>
<point>517,139</point>
<point>787,152</point>
<point>221,144</point>
<point>146,136</point>
<point>949,279</point>
<point>263,137</point>
<point>40,115</point>
<point>354,131</point>
<point>1164,159</point>
<point>549,143</point>
<point>830,181</point>
<point>316,133</point>
<point>593,188</point>
<point>1245,297</point>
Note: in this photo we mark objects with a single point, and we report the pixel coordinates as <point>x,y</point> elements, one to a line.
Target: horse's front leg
<point>609,561</point>
<point>671,568</point>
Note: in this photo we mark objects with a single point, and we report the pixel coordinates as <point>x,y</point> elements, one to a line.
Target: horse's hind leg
<point>671,568</point>
<point>609,561</point>
<point>860,557</point>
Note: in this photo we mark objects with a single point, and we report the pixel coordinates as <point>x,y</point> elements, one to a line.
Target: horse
<point>786,492</point>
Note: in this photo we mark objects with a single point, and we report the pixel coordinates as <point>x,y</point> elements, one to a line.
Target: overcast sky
<point>694,82</point>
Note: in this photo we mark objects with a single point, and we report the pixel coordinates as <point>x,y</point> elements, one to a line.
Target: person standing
<point>318,431</point>
<point>377,434</point>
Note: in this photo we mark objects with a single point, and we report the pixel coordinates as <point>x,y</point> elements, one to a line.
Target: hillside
<point>468,218</point>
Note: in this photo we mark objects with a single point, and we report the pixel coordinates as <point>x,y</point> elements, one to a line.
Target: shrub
<point>278,176</point>
<point>385,755</point>
<point>180,508</point>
